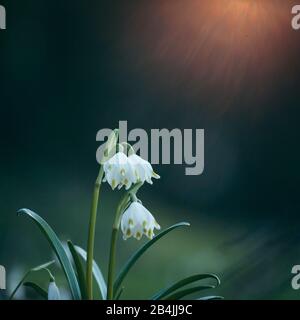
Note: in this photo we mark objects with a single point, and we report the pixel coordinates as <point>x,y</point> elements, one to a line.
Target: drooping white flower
<point>53,291</point>
<point>137,221</point>
<point>142,169</point>
<point>119,171</point>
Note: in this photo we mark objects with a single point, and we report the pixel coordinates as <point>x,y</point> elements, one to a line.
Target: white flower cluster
<point>121,170</point>
<point>138,221</point>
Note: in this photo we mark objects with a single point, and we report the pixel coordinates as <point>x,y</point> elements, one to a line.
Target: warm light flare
<point>212,48</point>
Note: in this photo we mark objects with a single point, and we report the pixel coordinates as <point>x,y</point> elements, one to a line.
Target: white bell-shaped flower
<point>53,291</point>
<point>142,169</point>
<point>119,171</point>
<point>137,221</point>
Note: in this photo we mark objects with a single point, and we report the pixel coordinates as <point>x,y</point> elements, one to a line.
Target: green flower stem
<point>114,237</point>
<point>112,263</point>
<point>113,245</point>
<point>91,236</point>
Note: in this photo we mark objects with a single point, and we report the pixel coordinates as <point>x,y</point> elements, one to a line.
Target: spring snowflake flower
<point>138,221</point>
<point>142,169</point>
<point>53,291</point>
<point>121,170</point>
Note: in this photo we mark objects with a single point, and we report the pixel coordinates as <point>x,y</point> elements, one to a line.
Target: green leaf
<point>96,272</point>
<point>58,249</point>
<point>41,267</point>
<point>139,253</point>
<point>182,293</point>
<point>164,292</point>
<point>211,298</point>
<point>79,269</point>
<point>43,293</point>
<point>118,295</point>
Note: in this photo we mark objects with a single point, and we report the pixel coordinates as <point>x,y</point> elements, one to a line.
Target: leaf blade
<point>58,249</point>
<point>43,266</point>
<point>185,292</point>
<point>118,295</point>
<point>38,268</point>
<point>43,293</point>
<point>132,260</point>
<point>211,298</point>
<point>96,271</point>
<point>181,283</point>
<point>79,269</point>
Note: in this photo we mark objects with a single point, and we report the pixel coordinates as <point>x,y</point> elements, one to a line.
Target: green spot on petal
<point>138,235</point>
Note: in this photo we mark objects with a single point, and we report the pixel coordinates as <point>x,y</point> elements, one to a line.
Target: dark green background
<point>70,68</point>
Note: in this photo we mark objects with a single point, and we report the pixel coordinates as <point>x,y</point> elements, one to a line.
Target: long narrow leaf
<point>96,272</point>
<point>139,253</point>
<point>43,293</point>
<point>118,295</point>
<point>41,267</point>
<point>182,293</point>
<point>58,249</point>
<point>79,269</point>
<point>211,298</point>
<point>164,292</point>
